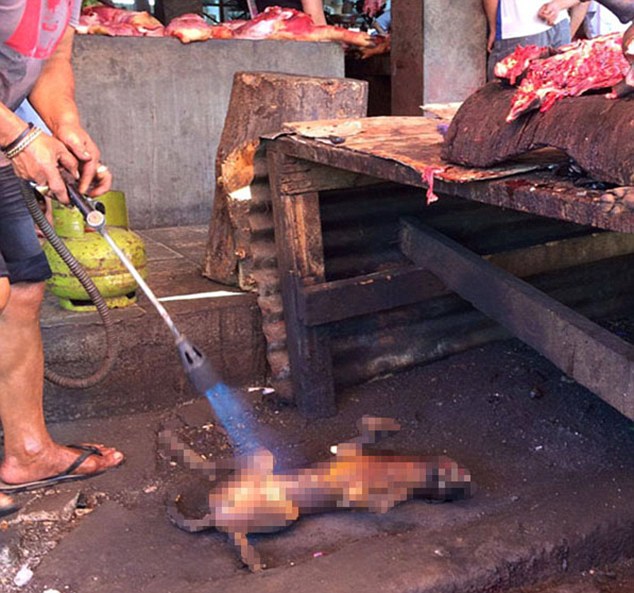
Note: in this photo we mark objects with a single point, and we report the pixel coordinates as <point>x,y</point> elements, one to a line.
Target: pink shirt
<point>29,33</point>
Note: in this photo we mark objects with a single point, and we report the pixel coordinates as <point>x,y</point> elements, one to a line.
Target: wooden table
<point>319,156</point>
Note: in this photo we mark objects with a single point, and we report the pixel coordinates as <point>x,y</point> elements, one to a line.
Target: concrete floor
<point>554,465</point>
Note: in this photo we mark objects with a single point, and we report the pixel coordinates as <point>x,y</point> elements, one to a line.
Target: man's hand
<point>490,40</point>
<point>550,11</point>
<point>94,178</point>
<point>41,161</point>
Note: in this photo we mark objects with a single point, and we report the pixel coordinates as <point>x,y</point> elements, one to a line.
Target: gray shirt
<point>29,33</point>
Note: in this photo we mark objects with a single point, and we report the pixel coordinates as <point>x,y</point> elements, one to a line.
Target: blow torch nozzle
<point>197,367</point>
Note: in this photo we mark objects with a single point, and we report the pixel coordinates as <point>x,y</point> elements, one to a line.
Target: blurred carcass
<point>251,497</point>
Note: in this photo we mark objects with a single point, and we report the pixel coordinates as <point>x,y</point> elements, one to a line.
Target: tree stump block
<point>260,103</point>
<point>241,244</point>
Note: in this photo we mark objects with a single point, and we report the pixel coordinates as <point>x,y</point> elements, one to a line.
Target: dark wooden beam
<point>363,295</point>
<point>342,299</point>
<point>315,177</point>
<point>591,355</point>
<point>300,261</point>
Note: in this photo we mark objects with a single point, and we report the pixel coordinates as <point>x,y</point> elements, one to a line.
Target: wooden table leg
<point>300,259</point>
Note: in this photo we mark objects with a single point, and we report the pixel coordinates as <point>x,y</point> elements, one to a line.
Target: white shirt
<point>518,18</point>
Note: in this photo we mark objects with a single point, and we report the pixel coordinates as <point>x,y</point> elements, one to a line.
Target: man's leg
<point>6,502</point>
<point>29,451</point>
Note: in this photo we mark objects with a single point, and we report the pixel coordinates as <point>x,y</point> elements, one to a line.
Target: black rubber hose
<point>112,346</point>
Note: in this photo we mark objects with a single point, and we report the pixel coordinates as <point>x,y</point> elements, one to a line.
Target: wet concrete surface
<point>554,510</point>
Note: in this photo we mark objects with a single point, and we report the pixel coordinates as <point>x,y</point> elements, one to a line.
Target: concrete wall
<point>156,108</point>
<point>455,49</point>
<point>438,52</point>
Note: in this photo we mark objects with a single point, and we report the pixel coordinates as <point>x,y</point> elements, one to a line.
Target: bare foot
<point>56,459</point>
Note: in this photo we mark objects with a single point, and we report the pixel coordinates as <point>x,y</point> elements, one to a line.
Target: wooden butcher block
<point>597,132</point>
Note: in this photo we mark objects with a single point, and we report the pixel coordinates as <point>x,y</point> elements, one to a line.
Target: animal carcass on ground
<point>247,496</point>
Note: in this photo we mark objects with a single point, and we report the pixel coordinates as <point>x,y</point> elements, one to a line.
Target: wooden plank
<point>342,299</point>
<point>315,177</point>
<point>415,142</point>
<point>363,295</point>
<point>591,355</point>
<point>538,193</point>
<point>300,262</point>
<point>558,255</point>
<point>546,195</point>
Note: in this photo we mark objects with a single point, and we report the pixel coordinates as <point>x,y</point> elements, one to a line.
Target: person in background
<point>35,62</point>
<point>525,22</point>
<point>313,8</point>
<point>599,20</point>
<point>624,10</point>
<point>384,20</point>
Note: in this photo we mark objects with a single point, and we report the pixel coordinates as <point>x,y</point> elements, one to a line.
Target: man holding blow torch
<point>35,62</point>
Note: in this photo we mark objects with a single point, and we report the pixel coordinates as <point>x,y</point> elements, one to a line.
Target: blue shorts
<point>21,256</point>
<point>556,36</point>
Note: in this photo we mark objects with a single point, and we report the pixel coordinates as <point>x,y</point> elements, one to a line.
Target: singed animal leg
<point>248,554</point>
<point>179,451</point>
<point>373,429</point>
<point>385,501</point>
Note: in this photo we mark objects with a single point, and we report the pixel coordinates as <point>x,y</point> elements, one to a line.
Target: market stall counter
<point>310,158</point>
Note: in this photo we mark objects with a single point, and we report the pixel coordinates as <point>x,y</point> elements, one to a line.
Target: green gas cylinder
<point>92,251</point>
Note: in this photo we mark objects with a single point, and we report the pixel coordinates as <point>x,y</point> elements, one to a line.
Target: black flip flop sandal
<point>66,476</point>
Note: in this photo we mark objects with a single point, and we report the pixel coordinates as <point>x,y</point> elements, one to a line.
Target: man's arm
<point>577,15</point>
<point>315,8</point>
<point>490,8</point>
<point>53,97</point>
